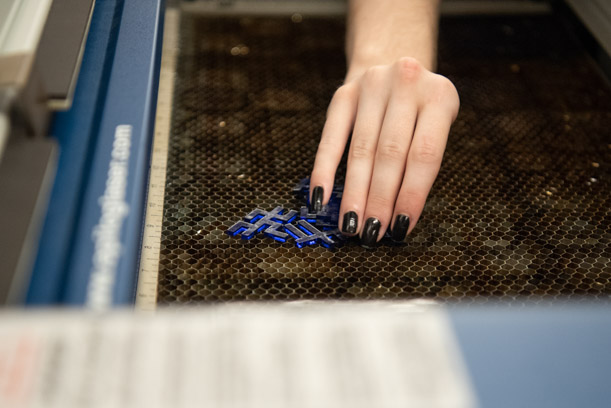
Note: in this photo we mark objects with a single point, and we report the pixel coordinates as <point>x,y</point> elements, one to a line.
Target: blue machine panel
<point>537,356</point>
<point>90,245</point>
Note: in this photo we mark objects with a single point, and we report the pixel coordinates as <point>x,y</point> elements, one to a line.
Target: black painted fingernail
<point>317,194</point>
<point>350,222</point>
<point>370,232</point>
<point>399,229</point>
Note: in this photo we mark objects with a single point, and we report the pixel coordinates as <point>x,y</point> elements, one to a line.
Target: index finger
<point>339,123</point>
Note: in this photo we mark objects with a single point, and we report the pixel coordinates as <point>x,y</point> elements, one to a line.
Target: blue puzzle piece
<point>327,217</point>
<point>307,234</point>
<point>260,220</point>
<point>305,214</point>
<point>310,229</point>
<point>302,191</point>
<point>329,213</point>
<point>275,233</point>
<point>336,195</point>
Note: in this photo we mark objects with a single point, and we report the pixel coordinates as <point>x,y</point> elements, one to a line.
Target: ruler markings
<point>146,297</point>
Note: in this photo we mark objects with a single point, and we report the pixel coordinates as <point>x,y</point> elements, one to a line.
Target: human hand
<point>400,116</point>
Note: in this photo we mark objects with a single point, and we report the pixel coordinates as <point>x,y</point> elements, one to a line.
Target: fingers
<point>370,114</point>
<point>389,166</point>
<point>423,163</point>
<point>340,119</point>
<point>400,116</point>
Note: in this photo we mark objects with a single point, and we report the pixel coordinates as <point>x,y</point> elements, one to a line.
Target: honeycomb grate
<point>521,207</point>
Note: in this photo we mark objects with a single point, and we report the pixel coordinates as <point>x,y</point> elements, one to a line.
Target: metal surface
<point>21,25</point>
<point>22,96</point>
<point>596,14</point>
<point>338,7</point>
<point>521,207</point>
<point>61,49</point>
<point>26,175</point>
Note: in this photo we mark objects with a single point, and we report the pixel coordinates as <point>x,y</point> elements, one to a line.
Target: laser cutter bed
<point>521,207</point>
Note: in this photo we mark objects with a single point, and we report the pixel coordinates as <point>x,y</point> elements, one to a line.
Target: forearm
<point>382,31</point>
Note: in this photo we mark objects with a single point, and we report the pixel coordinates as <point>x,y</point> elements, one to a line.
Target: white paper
<point>249,355</point>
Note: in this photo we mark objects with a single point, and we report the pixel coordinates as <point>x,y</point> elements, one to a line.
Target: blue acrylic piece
<point>301,238</point>
<point>310,228</point>
<point>260,220</point>
<point>302,191</point>
<point>327,217</point>
<point>305,214</point>
<point>307,234</point>
<point>274,231</point>
<point>242,228</point>
<point>329,213</point>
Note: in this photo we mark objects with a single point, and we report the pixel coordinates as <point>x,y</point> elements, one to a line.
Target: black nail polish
<point>350,222</point>
<point>399,229</point>
<point>370,232</point>
<point>316,203</point>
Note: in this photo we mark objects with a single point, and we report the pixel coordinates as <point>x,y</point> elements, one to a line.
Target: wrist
<point>381,32</point>
<point>358,65</point>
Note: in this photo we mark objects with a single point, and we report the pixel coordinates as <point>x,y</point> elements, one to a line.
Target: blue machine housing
<point>87,256</point>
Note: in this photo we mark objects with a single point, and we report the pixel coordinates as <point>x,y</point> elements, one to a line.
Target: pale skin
<point>398,111</point>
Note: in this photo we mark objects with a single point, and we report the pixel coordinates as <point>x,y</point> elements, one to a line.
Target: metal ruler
<point>146,297</point>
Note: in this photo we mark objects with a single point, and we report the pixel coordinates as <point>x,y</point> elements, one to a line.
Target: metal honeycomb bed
<point>521,207</point>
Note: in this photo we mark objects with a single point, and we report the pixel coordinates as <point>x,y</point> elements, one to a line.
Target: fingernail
<point>350,222</point>
<point>370,233</point>
<point>317,194</point>
<point>399,229</point>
